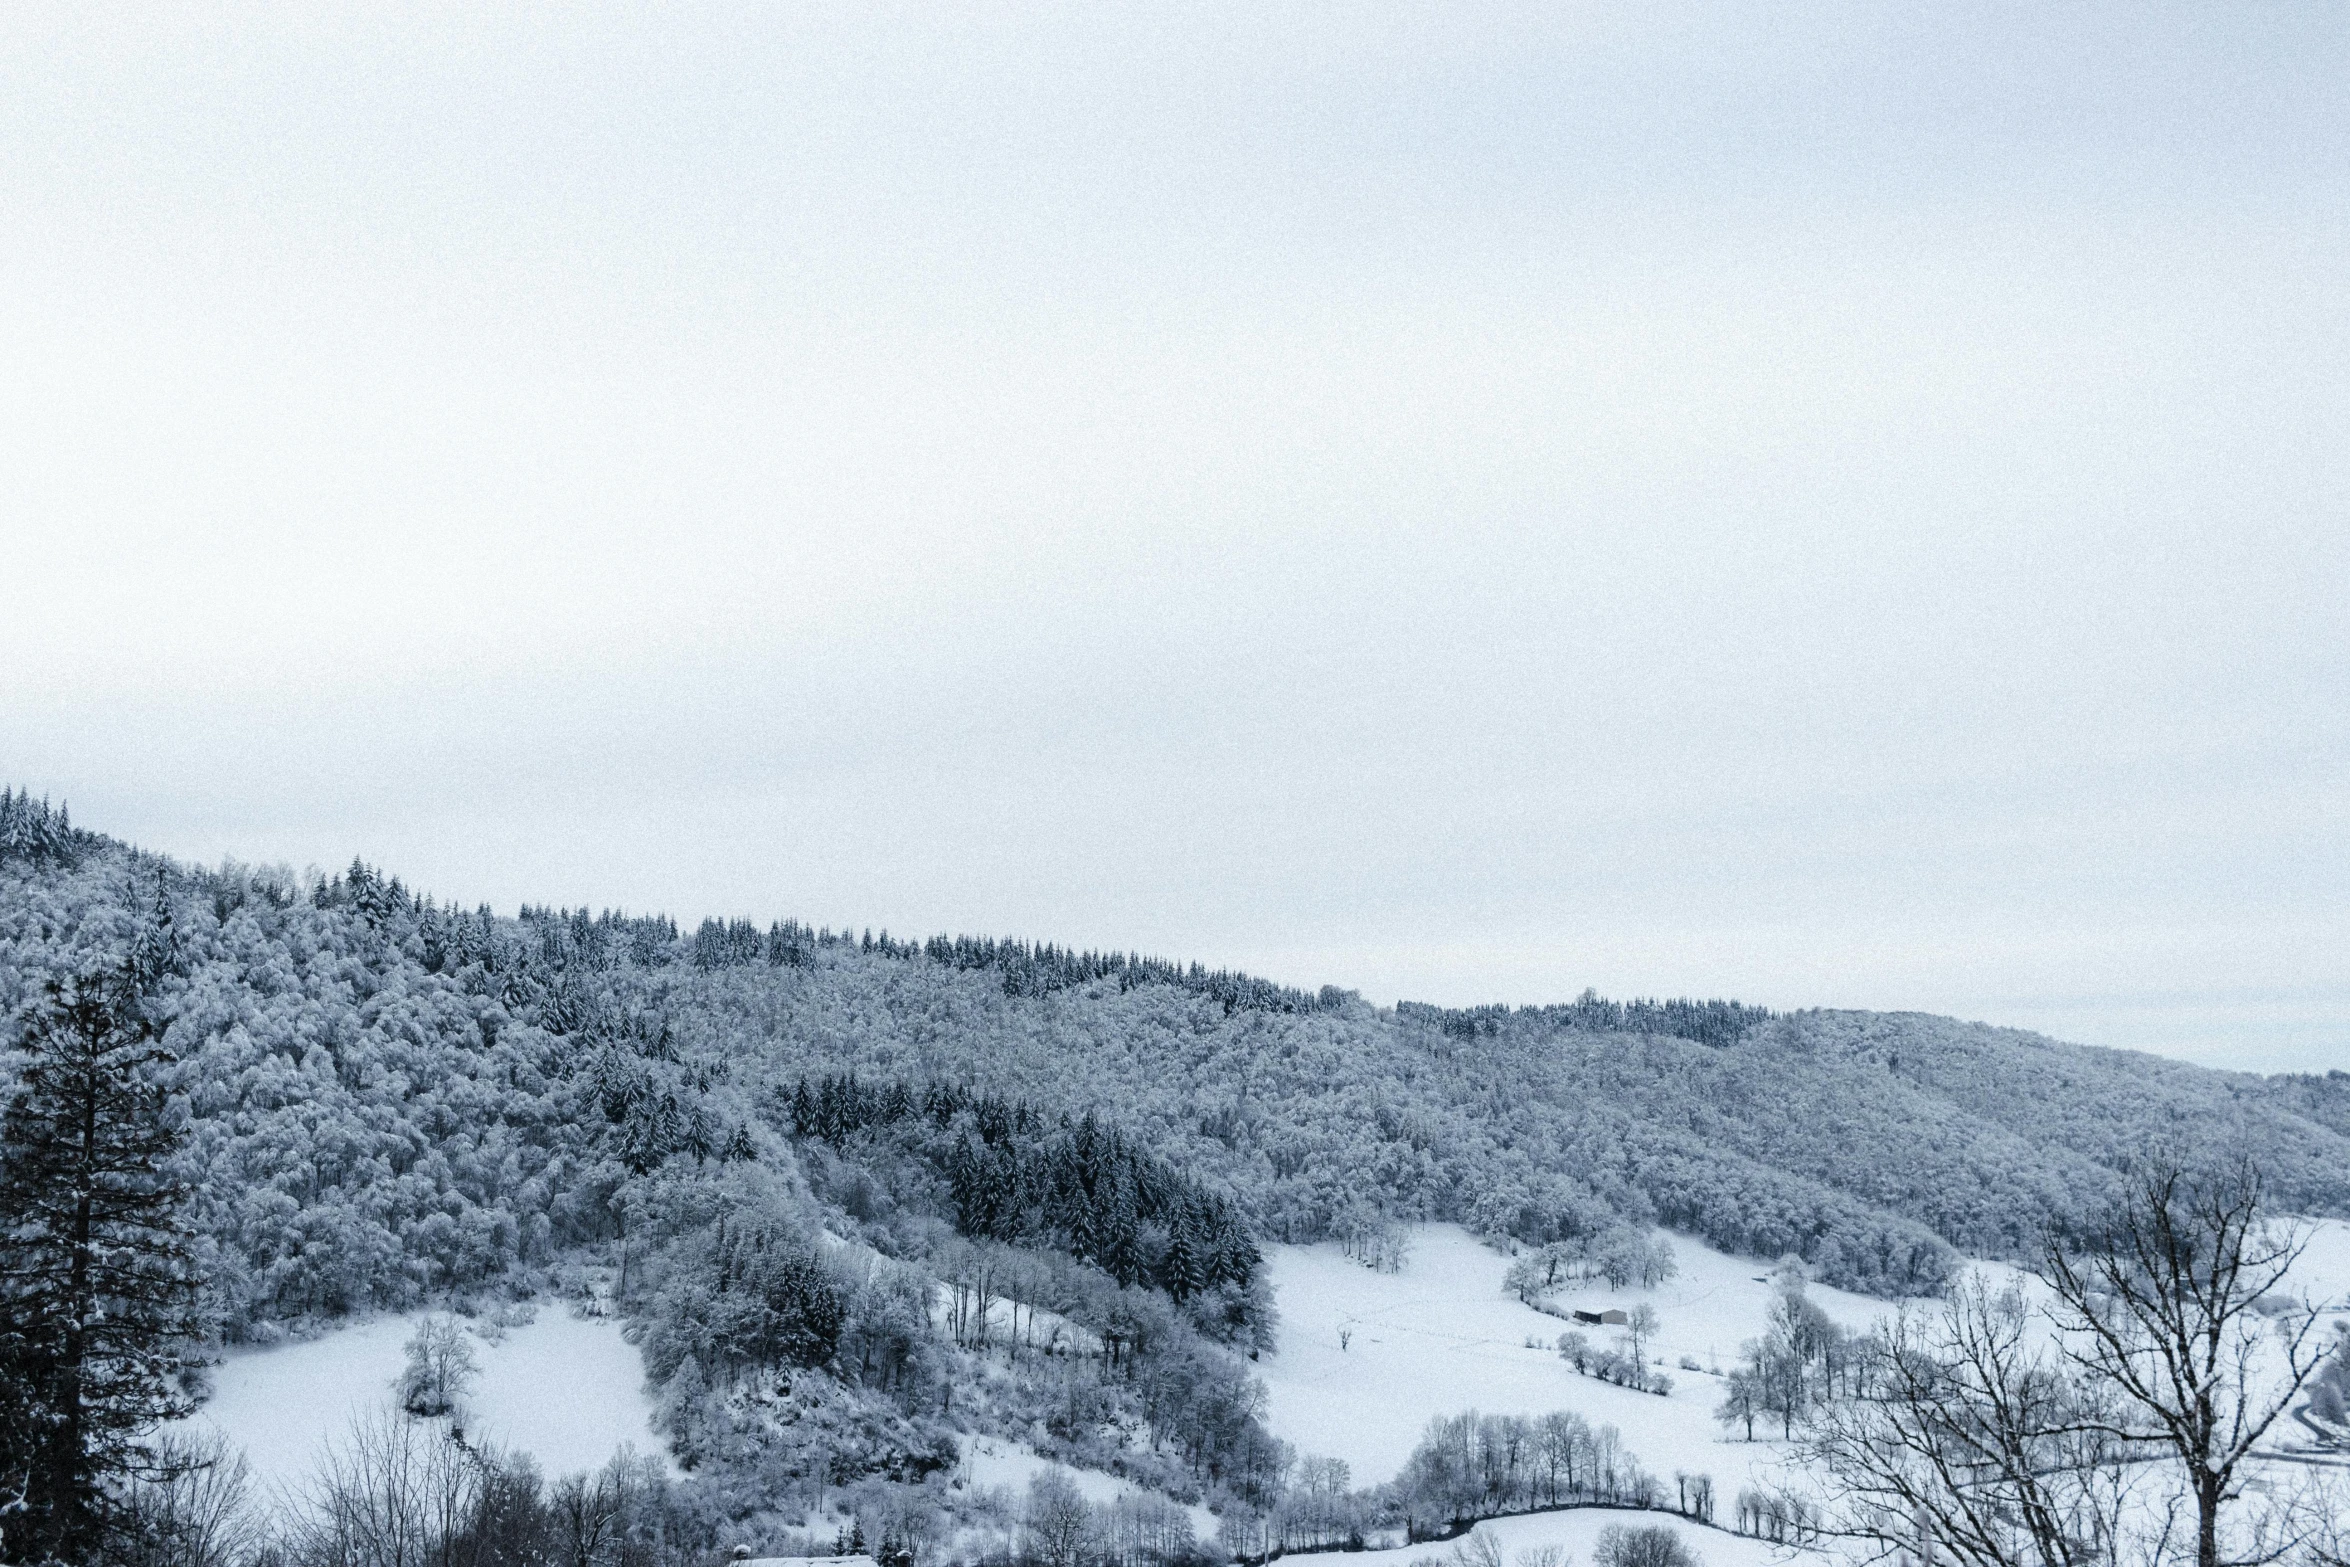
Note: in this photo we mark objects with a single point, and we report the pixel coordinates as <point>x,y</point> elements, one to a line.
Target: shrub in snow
<point>440,1370</point>
<point>1478,1550</point>
<point>1654,1546</point>
<point>2329,1390</point>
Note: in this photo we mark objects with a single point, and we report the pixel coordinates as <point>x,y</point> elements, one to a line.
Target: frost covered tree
<point>1654,1546</point>
<point>1742,1400</point>
<point>1535,1274</point>
<point>440,1369</point>
<point>2329,1390</point>
<point>97,1279</point>
<point>1057,1520</point>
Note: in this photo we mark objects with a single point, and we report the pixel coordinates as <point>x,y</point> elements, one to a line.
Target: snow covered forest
<point>858,1199</point>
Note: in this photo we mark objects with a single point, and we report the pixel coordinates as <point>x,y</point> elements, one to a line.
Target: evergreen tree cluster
<point>731,943</point>
<point>1039,969</point>
<point>31,831</point>
<point>756,1298</point>
<point>569,937</point>
<point>1026,969</point>
<point>1024,1175</point>
<point>1717,1023</point>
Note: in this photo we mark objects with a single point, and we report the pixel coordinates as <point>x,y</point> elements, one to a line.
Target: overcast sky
<point>1841,505</point>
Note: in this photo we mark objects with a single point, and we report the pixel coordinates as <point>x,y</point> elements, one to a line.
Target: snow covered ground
<point>567,1390</point>
<point>2324,1270</point>
<point>1439,1337</point>
<point>1577,1533</point>
<point>990,1462</point>
<point>1443,1336</point>
<point>1366,1359</point>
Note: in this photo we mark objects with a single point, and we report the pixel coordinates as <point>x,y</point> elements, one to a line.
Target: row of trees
<point>1625,1363</point>
<point>1466,1467</point>
<point>1041,968</point>
<point>400,1492</point>
<point>1471,1466</point>
<point>1801,1361</point>
<point>1060,1528</point>
<point>1717,1023</point>
<point>1025,968</point>
<point>1621,1254</point>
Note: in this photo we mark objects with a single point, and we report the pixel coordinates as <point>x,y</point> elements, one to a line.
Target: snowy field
<point>1440,1337</point>
<point>1576,1533</point>
<point>2324,1271</point>
<point>1443,1336</point>
<point>991,1463</point>
<point>567,1390</point>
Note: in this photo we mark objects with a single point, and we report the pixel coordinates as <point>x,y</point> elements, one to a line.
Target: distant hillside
<point>1868,1143</point>
<point>390,1093</point>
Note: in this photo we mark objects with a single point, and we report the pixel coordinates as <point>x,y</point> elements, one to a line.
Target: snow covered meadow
<point>1576,1533</point>
<point>1366,1358</point>
<point>1363,1361</point>
<point>566,1390</point>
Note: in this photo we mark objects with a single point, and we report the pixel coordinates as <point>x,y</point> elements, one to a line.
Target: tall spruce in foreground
<point>97,1281</point>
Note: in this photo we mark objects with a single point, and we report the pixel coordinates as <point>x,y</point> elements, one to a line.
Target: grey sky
<point>1837,505</point>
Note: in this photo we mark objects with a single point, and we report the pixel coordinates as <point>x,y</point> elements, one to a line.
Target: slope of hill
<point>390,1103</point>
<point>352,1040</point>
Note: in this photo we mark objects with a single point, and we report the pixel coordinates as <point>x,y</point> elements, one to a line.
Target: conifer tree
<point>97,1281</point>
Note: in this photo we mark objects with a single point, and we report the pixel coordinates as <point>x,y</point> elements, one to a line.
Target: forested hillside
<point>388,1102</point>
<point>406,1083</point>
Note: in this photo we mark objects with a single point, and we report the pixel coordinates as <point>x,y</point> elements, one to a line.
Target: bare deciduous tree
<point>1967,1444</point>
<point>2158,1300</point>
<point>385,1495</point>
<point>2118,1436</point>
<point>193,1507</point>
<point>1640,1325</point>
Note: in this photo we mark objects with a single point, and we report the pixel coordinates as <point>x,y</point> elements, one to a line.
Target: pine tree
<point>97,1282</point>
<point>1183,1271</point>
